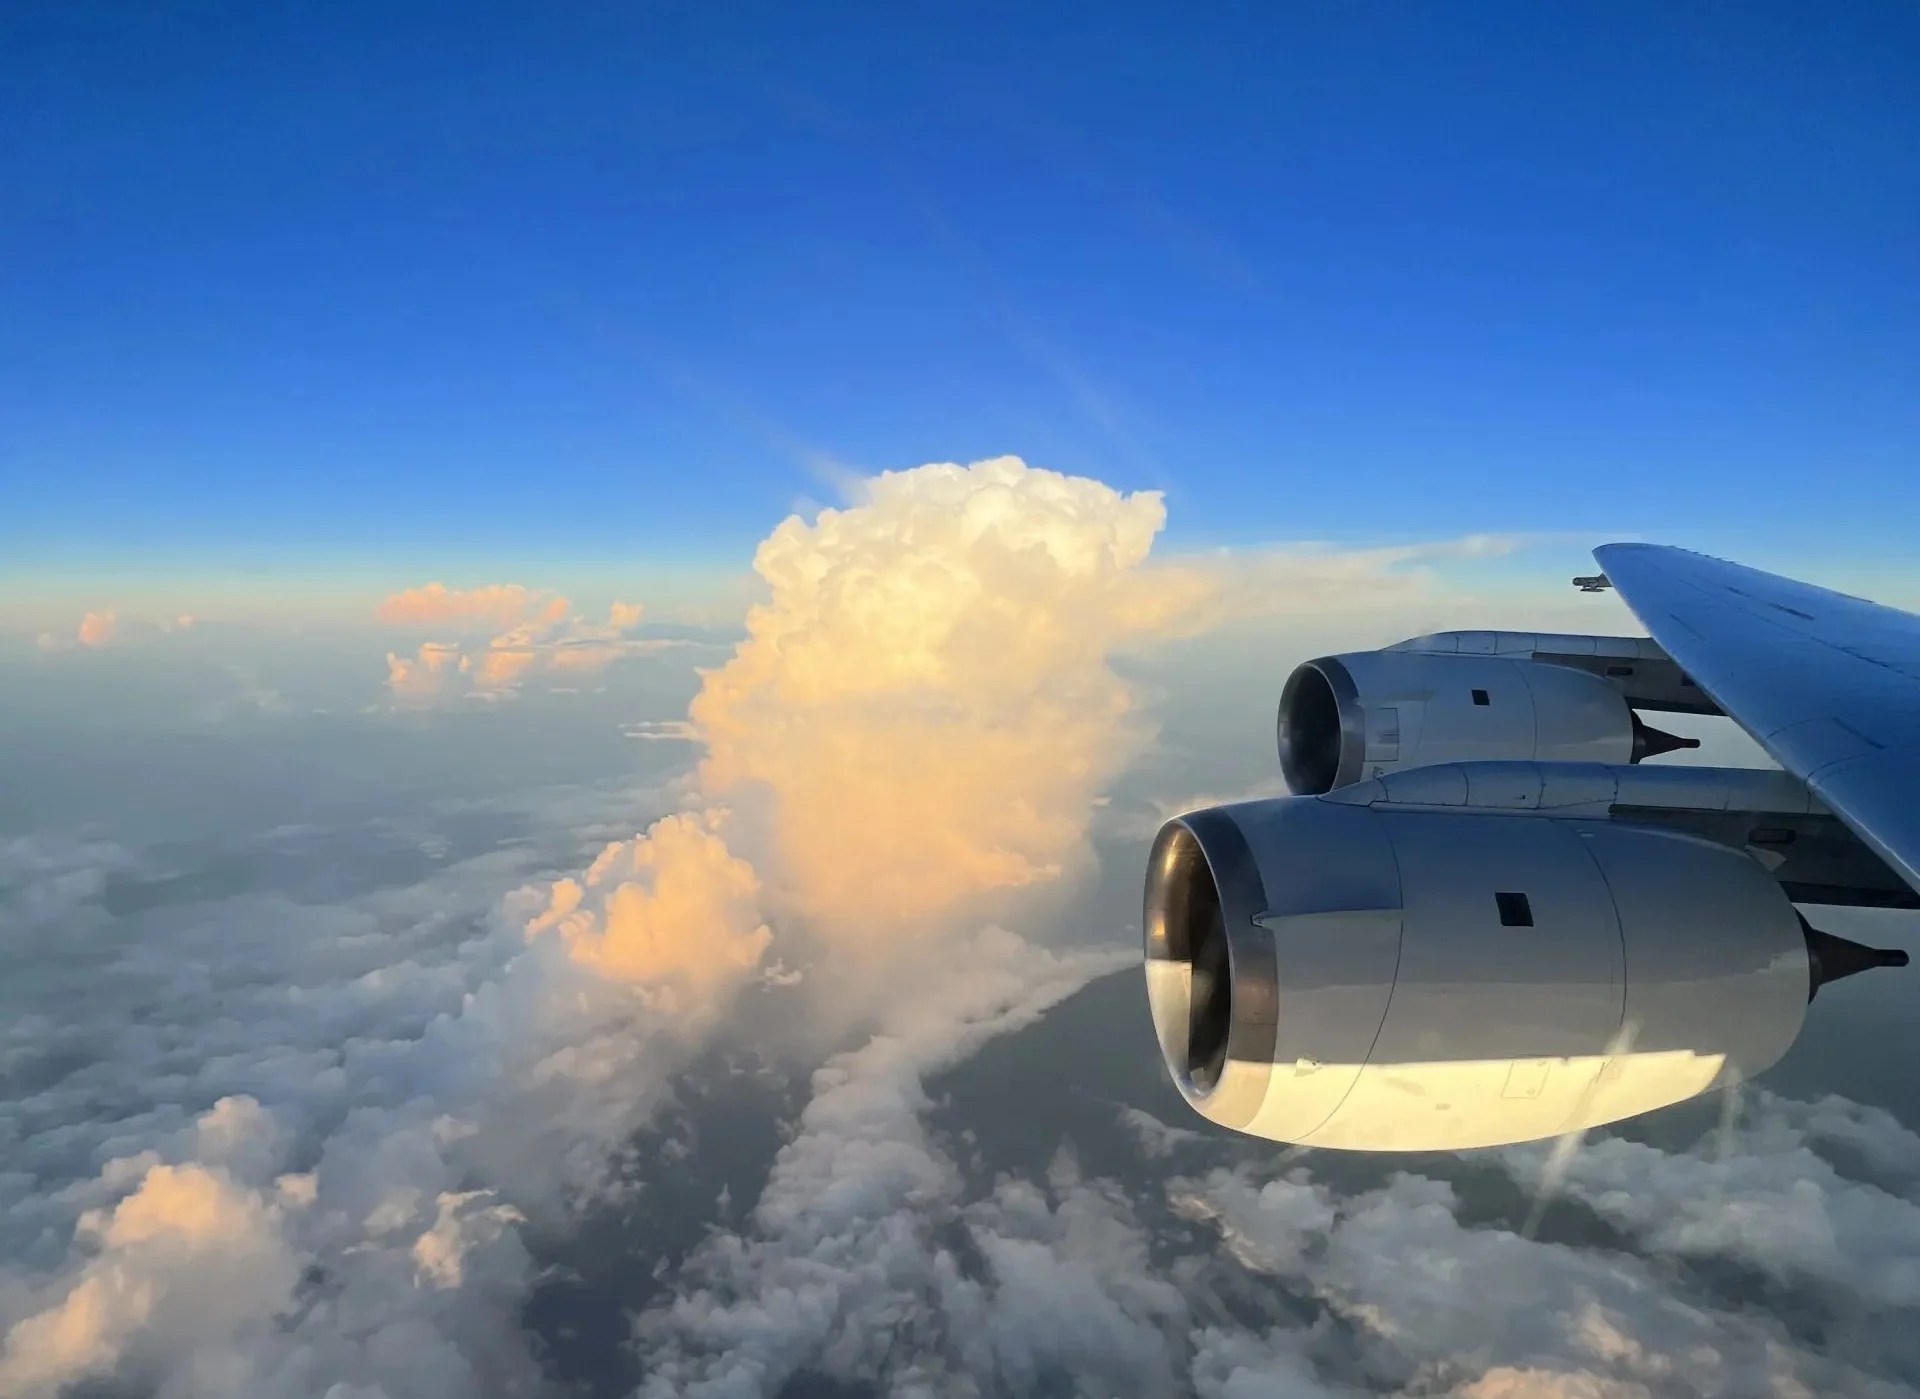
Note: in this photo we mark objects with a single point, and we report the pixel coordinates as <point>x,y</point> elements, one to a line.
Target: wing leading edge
<point>1828,684</point>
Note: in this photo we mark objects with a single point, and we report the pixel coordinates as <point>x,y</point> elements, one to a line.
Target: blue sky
<point>315,290</point>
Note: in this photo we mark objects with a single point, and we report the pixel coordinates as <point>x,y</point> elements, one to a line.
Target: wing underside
<point>1828,684</point>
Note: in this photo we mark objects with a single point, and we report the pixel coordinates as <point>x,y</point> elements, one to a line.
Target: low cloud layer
<point>842,1260</point>
<point>397,1089</point>
<point>1766,1192</point>
<point>875,1259</point>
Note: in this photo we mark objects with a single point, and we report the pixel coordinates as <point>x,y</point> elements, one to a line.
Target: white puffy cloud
<point>126,1308</point>
<point>673,911</point>
<point>1067,1287</point>
<point>1157,1138</point>
<point>872,1260</point>
<point>1889,1151</point>
<point>466,1223</point>
<point>1760,1192</point>
<point>1440,1306</point>
<point>447,1076</point>
<point>842,1257</point>
<point>926,699</point>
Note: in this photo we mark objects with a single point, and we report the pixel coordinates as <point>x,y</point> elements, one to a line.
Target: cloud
<point>124,1308</point>
<point>49,882</point>
<point>925,698</point>
<point>1311,582</point>
<point>1760,1192</point>
<point>98,629</point>
<point>107,627</point>
<point>422,675</point>
<point>872,1261</point>
<point>662,731</point>
<point>1432,1303</point>
<point>496,607</point>
<point>842,1254</point>
<point>1068,1288</point>
<point>1144,822</point>
<point>447,1073</point>
<point>539,636</point>
<point>673,910</point>
<point>1154,1137</point>
<point>1229,1363</point>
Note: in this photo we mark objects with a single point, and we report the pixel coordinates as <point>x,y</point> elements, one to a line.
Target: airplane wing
<point>1828,684</point>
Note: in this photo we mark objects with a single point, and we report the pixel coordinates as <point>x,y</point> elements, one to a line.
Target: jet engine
<point>1368,978</point>
<point>1369,713</point>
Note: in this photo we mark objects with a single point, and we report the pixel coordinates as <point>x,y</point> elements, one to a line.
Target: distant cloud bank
<point>537,635</point>
<point>109,627</point>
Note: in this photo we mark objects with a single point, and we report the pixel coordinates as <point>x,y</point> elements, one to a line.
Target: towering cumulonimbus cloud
<point>927,708</point>
<point>926,699</point>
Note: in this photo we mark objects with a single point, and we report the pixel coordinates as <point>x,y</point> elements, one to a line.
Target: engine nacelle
<point>1371,979</point>
<point>1369,713</point>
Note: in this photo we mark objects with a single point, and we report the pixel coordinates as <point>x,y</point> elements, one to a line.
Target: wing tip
<point>1626,547</point>
<point>1604,552</point>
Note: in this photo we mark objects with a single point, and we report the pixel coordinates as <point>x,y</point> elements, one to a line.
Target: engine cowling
<point>1372,979</point>
<point>1369,713</point>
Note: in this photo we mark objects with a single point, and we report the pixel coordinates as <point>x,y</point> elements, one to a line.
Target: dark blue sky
<point>307,285</point>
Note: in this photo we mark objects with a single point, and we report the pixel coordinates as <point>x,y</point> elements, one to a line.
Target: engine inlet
<point>1322,743</point>
<point>1190,965</point>
<point>1211,978</point>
